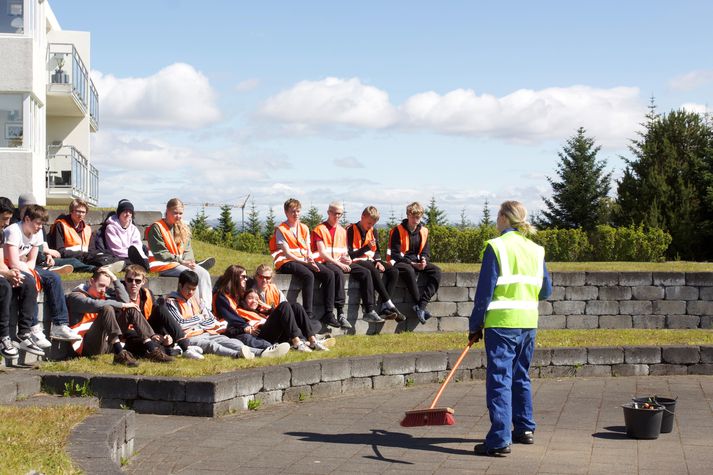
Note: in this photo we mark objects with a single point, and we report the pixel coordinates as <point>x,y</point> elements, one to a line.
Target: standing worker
<point>513,278</point>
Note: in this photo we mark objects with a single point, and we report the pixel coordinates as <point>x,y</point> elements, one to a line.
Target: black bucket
<point>668,415</point>
<point>642,423</point>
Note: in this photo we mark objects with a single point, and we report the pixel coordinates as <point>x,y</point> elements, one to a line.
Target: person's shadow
<point>613,433</point>
<point>384,438</point>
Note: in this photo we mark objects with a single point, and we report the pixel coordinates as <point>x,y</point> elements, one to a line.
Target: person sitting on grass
<point>19,288</point>
<point>226,294</point>
<point>100,311</point>
<point>22,243</point>
<point>170,251</point>
<point>202,329</point>
<point>165,327</point>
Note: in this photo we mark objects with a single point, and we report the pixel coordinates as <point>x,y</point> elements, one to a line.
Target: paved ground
<point>580,431</point>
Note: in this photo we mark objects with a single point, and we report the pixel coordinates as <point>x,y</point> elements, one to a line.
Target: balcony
<point>93,106</point>
<point>68,84</point>
<point>70,175</point>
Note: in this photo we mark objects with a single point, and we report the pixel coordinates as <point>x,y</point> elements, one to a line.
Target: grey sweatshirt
<point>79,303</point>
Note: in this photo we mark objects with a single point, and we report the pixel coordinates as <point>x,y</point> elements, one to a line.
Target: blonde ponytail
<point>516,214</point>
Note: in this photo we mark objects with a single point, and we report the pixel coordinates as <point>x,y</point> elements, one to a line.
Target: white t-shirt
<point>15,237</point>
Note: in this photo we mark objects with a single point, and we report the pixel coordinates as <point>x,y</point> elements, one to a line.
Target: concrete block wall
<point>103,441</point>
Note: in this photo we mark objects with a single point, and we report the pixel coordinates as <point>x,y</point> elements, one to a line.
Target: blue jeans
<point>507,384</point>
<point>54,296</point>
<point>78,265</point>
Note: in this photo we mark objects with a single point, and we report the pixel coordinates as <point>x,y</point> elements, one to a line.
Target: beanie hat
<point>26,199</point>
<point>124,205</point>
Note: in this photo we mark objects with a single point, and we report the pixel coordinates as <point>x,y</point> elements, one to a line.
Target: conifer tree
<point>464,221</point>
<point>435,216</point>
<point>343,220</point>
<point>253,224</point>
<point>486,220</point>
<point>312,218</point>
<point>226,226</point>
<point>199,224</point>
<point>270,223</point>
<point>392,221</point>
<point>579,197</point>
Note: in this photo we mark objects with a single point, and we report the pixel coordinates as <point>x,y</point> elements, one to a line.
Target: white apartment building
<point>48,106</point>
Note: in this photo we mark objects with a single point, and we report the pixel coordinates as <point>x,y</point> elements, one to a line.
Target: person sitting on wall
<point>100,311</point>
<point>202,329</point>
<point>19,288</point>
<point>71,236</point>
<point>170,251</point>
<point>409,253</point>
<point>23,241</point>
<point>292,254</point>
<point>363,249</point>
<point>118,234</point>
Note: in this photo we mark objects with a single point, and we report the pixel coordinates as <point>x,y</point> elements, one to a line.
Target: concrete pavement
<point>580,430</point>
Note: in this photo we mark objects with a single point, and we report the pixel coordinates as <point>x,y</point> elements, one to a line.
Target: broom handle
<point>450,375</point>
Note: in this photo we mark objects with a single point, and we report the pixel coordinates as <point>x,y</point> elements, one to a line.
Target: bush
<point>563,245</point>
<point>247,242</point>
<point>631,243</point>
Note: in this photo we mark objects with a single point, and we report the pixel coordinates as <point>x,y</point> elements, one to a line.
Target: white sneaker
<point>62,270</point>
<point>197,349</point>
<point>192,354</point>
<point>328,342</point>
<point>26,344</point>
<point>302,347</point>
<point>63,332</point>
<point>7,349</point>
<point>38,337</point>
<point>274,351</point>
<point>318,346</point>
<point>175,350</point>
<point>116,267</point>
<point>246,352</point>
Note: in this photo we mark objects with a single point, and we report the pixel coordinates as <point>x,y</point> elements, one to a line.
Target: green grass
<point>383,344</point>
<point>35,438</point>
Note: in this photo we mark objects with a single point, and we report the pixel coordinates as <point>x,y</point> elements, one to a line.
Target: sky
<point>376,103</point>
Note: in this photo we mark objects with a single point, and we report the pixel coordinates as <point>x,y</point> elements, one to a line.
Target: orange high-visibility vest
<point>254,319</point>
<point>336,247</point>
<point>159,266</point>
<point>189,309</point>
<point>272,295</point>
<point>73,241</point>
<point>84,324</point>
<point>358,242</point>
<point>296,244</point>
<point>147,307</point>
<point>406,242</point>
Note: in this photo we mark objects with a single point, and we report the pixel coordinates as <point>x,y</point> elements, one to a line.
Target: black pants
<point>283,324</point>
<point>339,296</point>
<point>384,285</point>
<point>26,297</point>
<point>306,275</point>
<point>410,277</point>
<point>112,323</point>
<point>164,324</point>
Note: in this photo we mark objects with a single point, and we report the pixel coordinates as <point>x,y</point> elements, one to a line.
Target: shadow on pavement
<point>383,438</point>
<point>614,433</point>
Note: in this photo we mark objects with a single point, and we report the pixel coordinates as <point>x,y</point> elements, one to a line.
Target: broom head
<point>438,416</point>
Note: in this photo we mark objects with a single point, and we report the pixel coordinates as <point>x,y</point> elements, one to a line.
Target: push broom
<point>435,416</point>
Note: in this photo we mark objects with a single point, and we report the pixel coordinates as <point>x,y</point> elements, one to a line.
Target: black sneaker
<point>527,437</point>
<point>207,264</point>
<point>135,257</point>
<point>330,320</point>
<point>7,349</point>
<point>343,322</point>
<point>482,449</point>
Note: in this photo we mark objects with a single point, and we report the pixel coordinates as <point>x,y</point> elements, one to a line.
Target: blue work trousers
<point>54,296</point>
<point>507,384</point>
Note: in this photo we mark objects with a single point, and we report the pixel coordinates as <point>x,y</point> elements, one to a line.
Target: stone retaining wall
<point>229,392</point>
<point>103,441</point>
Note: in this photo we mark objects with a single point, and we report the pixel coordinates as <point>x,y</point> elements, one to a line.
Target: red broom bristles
<point>439,416</point>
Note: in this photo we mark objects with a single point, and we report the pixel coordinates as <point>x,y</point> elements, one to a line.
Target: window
<point>12,16</point>
<point>11,126</point>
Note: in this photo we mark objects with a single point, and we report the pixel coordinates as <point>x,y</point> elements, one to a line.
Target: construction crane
<point>219,205</point>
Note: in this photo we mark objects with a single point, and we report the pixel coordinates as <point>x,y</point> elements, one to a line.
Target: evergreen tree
<point>486,220</point>
<point>312,218</point>
<point>393,221</point>
<point>253,225</point>
<point>199,225</point>
<point>343,220</point>
<point>434,215</point>
<point>270,223</point>
<point>669,182</point>
<point>464,221</point>
<point>579,197</point>
<point>226,226</point>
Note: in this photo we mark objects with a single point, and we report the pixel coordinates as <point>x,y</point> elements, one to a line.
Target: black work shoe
<point>330,320</point>
<point>135,257</point>
<point>207,264</point>
<point>482,449</point>
<point>527,437</point>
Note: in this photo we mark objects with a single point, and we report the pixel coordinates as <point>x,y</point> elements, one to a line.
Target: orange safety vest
<point>189,309</point>
<point>336,247</point>
<point>254,319</point>
<point>406,242</point>
<point>272,295</point>
<point>358,242</point>
<point>73,241</point>
<point>159,266</point>
<point>147,308</point>
<point>84,324</point>
<point>296,244</point>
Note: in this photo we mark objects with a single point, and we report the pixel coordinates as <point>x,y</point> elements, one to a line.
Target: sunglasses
<point>243,277</point>
<point>133,281</point>
<point>265,277</point>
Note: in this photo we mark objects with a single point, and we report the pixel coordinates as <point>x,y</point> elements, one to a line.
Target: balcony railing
<point>93,105</point>
<point>69,174</point>
<point>65,66</point>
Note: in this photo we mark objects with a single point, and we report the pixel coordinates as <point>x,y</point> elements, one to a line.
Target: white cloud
<point>692,80</point>
<point>176,97</point>
<point>610,115</point>
<point>247,85</point>
<point>348,162</point>
<point>696,108</point>
<point>332,101</point>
